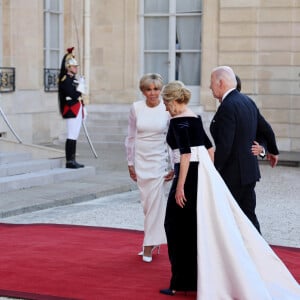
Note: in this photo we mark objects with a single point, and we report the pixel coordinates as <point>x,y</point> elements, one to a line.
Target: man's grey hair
<point>226,73</point>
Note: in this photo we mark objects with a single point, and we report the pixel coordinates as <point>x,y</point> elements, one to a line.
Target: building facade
<point>116,41</point>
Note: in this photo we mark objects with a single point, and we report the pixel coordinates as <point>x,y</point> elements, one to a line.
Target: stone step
<point>43,177</point>
<point>105,127</point>
<point>103,138</point>
<point>98,128</point>
<point>108,111</point>
<point>28,166</point>
<point>11,157</point>
<point>18,170</point>
<point>107,119</point>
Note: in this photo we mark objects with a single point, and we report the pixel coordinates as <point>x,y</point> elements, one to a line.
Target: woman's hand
<point>180,197</point>
<point>132,173</point>
<point>184,166</point>
<point>169,176</point>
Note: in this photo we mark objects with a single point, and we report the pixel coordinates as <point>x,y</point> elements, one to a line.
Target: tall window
<point>1,30</point>
<point>53,33</point>
<point>171,39</point>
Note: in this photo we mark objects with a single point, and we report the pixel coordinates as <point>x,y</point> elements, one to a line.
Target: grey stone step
<point>106,121</point>
<point>12,157</point>
<point>97,128</point>
<point>103,138</point>
<point>29,166</point>
<point>108,111</point>
<point>35,151</point>
<point>43,177</point>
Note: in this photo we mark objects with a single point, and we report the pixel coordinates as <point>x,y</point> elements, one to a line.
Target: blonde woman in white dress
<point>148,159</point>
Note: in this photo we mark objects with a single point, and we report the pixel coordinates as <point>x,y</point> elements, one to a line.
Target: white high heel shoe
<point>148,259</point>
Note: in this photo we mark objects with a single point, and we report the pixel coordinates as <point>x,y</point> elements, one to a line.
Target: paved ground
<point>111,177</point>
<point>278,209</point>
<point>110,199</point>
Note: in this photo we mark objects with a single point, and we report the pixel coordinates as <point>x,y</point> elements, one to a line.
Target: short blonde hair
<point>151,78</point>
<point>177,91</point>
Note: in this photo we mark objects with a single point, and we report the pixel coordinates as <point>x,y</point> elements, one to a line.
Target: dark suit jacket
<point>265,136</point>
<point>234,128</point>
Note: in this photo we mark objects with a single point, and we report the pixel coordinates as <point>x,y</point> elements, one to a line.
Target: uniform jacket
<point>69,97</point>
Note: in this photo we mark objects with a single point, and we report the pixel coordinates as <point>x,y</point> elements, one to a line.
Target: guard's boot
<point>73,164</point>
<point>70,164</point>
<point>71,154</point>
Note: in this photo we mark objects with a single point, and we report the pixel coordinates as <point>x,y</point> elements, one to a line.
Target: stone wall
<point>260,40</point>
<point>114,51</point>
<point>32,113</point>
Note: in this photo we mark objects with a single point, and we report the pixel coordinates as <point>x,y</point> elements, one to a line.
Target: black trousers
<point>246,198</point>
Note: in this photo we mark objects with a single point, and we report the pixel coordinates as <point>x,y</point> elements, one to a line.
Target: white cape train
<point>234,261</point>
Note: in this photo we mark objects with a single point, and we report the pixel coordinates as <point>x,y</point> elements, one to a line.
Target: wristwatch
<point>262,154</point>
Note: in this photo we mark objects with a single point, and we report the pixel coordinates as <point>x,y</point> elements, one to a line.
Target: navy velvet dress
<point>181,223</point>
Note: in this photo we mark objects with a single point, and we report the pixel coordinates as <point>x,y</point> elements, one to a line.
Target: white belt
<point>194,154</point>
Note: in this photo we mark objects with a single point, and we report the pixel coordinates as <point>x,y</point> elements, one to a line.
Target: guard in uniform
<point>71,105</point>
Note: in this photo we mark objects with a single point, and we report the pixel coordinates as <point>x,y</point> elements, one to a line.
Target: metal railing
<point>51,80</point>
<point>7,80</point>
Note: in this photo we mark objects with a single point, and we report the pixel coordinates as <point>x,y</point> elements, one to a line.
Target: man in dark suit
<point>234,128</point>
<point>259,147</point>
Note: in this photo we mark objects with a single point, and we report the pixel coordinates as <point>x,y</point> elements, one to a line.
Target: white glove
<point>81,85</point>
<point>84,113</point>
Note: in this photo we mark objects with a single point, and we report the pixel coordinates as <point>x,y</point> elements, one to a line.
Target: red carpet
<point>43,261</point>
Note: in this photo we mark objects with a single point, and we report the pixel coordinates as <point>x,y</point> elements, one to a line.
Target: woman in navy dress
<point>185,134</point>
<point>213,247</point>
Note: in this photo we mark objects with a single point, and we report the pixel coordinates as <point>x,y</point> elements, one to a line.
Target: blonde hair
<point>177,91</point>
<point>151,78</point>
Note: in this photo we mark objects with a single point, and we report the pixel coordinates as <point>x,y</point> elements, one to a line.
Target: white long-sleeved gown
<point>147,150</point>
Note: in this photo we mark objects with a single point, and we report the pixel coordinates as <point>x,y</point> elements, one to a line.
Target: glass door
<point>171,41</point>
